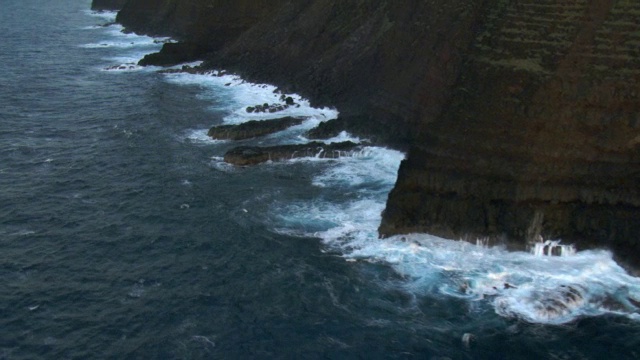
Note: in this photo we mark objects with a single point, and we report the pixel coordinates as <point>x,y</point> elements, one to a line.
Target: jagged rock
<point>252,128</point>
<point>266,108</point>
<point>252,155</point>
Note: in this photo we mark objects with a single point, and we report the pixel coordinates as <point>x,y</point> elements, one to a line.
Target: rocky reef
<point>521,117</point>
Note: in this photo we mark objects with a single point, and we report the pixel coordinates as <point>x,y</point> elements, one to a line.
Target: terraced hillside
<point>542,134</point>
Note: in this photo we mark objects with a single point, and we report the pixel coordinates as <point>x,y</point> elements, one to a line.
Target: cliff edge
<point>521,117</point>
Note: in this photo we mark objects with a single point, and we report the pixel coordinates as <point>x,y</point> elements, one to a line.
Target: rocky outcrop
<point>252,155</point>
<point>521,116</point>
<point>252,128</point>
<point>174,54</point>
<point>107,4</point>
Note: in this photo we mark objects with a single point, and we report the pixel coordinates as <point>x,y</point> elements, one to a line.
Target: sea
<point>124,234</point>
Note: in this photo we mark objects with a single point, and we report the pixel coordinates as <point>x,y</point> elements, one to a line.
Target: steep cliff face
<point>388,66</point>
<point>541,134</point>
<point>522,116</point>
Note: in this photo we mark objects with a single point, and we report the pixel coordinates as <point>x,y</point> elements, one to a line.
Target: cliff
<point>541,135</point>
<point>521,117</point>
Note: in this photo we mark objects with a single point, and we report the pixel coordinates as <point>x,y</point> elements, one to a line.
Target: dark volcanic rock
<point>107,4</point>
<point>174,53</point>
<point>253,128</point>
<point>251,155</point>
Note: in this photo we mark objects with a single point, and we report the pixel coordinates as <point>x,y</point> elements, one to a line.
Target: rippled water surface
<point>124,235</point>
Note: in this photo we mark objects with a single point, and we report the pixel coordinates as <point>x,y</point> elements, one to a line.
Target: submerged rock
<point>252,128</point>
<point>251,155</point>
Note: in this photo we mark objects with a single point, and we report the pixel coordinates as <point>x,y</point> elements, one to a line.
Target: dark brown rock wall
<point>541,134</point>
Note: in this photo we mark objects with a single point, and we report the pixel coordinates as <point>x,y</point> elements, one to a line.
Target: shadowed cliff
<point>522,116</point>
<point>541,135</point>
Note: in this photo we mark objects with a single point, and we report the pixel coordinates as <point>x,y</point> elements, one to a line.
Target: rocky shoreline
<point>521,119</point>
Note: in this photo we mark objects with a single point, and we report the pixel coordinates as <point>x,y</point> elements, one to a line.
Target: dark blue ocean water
<point>123,235</point>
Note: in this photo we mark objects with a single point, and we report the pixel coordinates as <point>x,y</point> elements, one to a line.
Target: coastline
<point>476,142</point>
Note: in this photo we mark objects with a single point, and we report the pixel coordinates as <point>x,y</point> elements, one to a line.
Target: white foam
<point>552,247</point>
<point>200,137</point>
<point>535,288</point>
<point>372,166</point>
<point>106,15</point>
<point>219,164</point>
<point>116,38</point>
<point>233,95</point>
<point>539,289</point>
<point>342,137</point>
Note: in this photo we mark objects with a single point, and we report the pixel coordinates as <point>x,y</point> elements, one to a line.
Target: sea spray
<point>553,247</point>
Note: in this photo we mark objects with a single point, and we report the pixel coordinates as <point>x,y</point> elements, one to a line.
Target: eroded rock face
<point>541,134</point>
<point>522,116</point>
